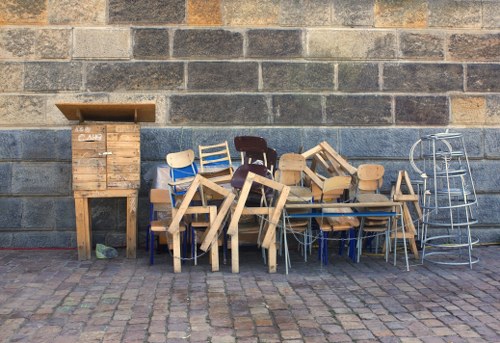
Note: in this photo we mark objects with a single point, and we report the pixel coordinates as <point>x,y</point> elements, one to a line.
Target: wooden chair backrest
<point>160,199</point>
<point>214,155</point>
<point>290,168</point>
<point>370,177</point>
<point>251,148</point>
<point>180,159</point>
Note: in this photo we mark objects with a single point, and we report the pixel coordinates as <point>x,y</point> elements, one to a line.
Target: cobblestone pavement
<point>49,296</point>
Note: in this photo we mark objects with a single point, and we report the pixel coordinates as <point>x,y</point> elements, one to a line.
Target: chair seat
<point>299,194</point>
<point>344,220</point>
<point>241,173</point>
<point>162,226</point>
<point>372,197</point>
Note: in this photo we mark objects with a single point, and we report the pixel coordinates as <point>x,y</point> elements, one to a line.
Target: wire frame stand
<point>449,201</point>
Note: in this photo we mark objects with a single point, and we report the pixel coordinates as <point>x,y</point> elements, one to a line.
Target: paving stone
<point>390,13</point>
<point>22,109</point>
<point>223,76</point>
<point>31,43</point>
<point>305,13</point>
<point>423,77</point>
<point>474,47</point>
<point>70,12</point>
<point>358,77</point>
<point>274,43</point>
<point>251,13</point>
<point>483,77</point>
<point>349,13</point>
<point>208,43</point>
<point>421,45</point>
<point>297,76</point>
<point>150,43</point>
<point>20,12</point>
<point>100,43</point>
<point>53,76</point>
<point>422,110</point>
<point>358,110</point>
<point>146,12</point>
<point>456,14</point>
<point>204,13</point>
<point>297,109</point>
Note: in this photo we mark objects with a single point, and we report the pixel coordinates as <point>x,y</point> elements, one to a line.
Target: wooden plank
<point>406,197</point>
<point>110,193</point>
<point>214,246</point>
<point>112,177</point>
<point>272,252</point>
<point>121,151</point>
<point>345,165</point>
<point>347,205</point>
<point>77,147</point>
<point>111,146</point>
<point>176,242</point>
<point>123,137</point>
<point>132,202</point>
<point>123,184</point>
<point>216,226</point>
<point>82,178</point>
<point>81,236</point>
<point>188,197</point>
<point>311,152</point>
<point>243,196</point>
<point>89,185</point>
<point>109,111</point>
<point>88,170</point>
<point>235,253</point>
<point>124,169</point>
<point>119,128</point>
<point>120,160</point>
<point>275,217</point>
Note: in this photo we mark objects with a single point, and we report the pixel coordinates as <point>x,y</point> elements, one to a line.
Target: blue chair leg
<point>325,255</point>
<point>352,244</point>
<point>184,246</point>
<point>151,247</point>
<point>320,249</point>
<point>342,242</point>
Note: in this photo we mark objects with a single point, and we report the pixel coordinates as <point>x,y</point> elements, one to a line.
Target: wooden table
<point>84,219</point>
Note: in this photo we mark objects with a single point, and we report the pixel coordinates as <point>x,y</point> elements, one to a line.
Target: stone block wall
<point>368,76</point>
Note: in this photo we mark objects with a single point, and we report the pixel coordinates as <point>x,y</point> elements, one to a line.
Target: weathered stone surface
<point>352,44</point>
<point>207,135</point>
<point>41,178</point>
<point>156,143</point>
<point>23,12</point>
<point>53,76</point>
<point>11,77</point>
<point>122,76</point>
<point>28,44</point>
<point>38,213</point>
<point>358,77</point>
<point>48,239</point>
<point>483,77</point>
<point>312,136</point>
<point>454,13</point>
<point>251,12</point>
<point>105,214</point>
<point>76,12</point>
<point>10,212</point>
<point>473,138</point>
<point>274,43</point>
<point>358,110</point>
<point>208,43</point>
<point>297,109</point>
<point>423,77</point>
<point>22,109</point>
<point>486,215</point>
<point>391,13</point>
<point>281,139</point>
<point>468,110</point>
<point>305,13</point>
<point>55,116</point>
<point>49,145</point>
<point>491,14</point>
<point>421,45</point>
<point>6,172</point>
<point>103,43</point>
<point>474,47</point>
<point>147,11</point>
<point>297,76</point>
<point>493,109</point>
<point>223,76</point>
<point>377,142</point>
<point>205,13</point>
<point>10,144</point>
<point>158,99</point>
<point>486,176</point>
<point>353,13</point>
<point>222,109</point>
<point>151,43</point>
<point>422,110</point>
<point>492,142</point>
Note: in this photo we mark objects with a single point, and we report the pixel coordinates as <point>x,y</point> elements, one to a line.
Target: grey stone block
<point>35,44</point>
<point>453,13</point>
<point>486,176</point>
<point>22,109</point>
<point>20,12</point>
<point>51,239</point>
<point>377,142</point>
<point>297,76</point>
<point>274,43</point>
<point>223,76</point>
<point>11,77</point>
<point>491,14</point>
<point>305,13</point>
<point>63,145</point>
<point>483,77</point>
<point>226,109</point>
<point>358,77</point>
<point>486,213</point>
<point>5,240</point>
<point>422,110</point>
<point>104,214</point>
<point>421,45</point>
<point>297,109</point>
<point>71,12</point>
<point>492,142</point>
<point>358,110</point>
<point>353,13</point>
<point>281,139</point>
<point>53,76</point>
<point>474,47</point>
<point>151,43</point>
<point>5,177</point>
<point>208,43</point>
<point>10,212</point>
<point>157,142</point>
<point>38,213</point>
<point>121,219</point>
<point>41,145</point>
<point>423,77</point>
<point>213,135</point>
<point>10,145</point>
<point>123,76</point>
<point>115,240</point>
<point>312,136</point>
<point>42,178</point>
<point>473,139</point>
<point>147,11</point>
<point>64,212</point>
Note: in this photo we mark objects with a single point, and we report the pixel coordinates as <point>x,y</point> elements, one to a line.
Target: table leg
<point>132,225</point>
<point>272,252</point>
<point>235,253</point>
<point>176,241</point>
<point>82,228</point>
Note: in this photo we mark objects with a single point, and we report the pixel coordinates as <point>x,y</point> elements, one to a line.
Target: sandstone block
<point>10,212</point>
<point>29,44</point>
<point>358,77</point>
<point>493,109</point>
<point>41,178</point>
<point>223,76</point>
<point>353,13</point>
<point>390,13</point>
<point>22,109</point>
<point>274,43</point>
<point>11,77</point>
<point>121,76</point>
<point>454,13</point>
<point>491,14</point>
<point>297,109</point>
<point>204,13</point>
<point>349,110</point>
<point>468,110</point>
<point>422,110</point>
<point>305,13</point>
<point>38,213</point>
<point>101,43</point>
<point>158,99</point>
<point>474,47</point>
<point>227,109</point>
<point>53,76</point>
<point>297,76</point>
<point>15,12</point>
<point>76,12</point>
<point>352,44</point>
<point>55,116</point>
<point>418,45</point>
<point>147,11</point>
<point>151,43</point>
<point>208,43</point>
<point>423,77</point>
<point>483,77</point>
<point>251,12</point>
